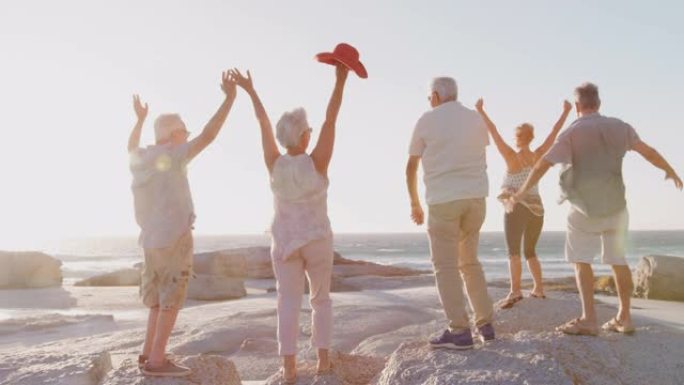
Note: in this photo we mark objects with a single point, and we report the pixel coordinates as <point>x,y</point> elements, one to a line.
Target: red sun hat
<point>345,54</point>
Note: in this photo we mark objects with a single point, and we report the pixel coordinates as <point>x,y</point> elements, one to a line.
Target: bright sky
<point>68,70</point>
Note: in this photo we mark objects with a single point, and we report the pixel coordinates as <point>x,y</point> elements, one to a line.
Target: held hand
<point>139,108</point>
<point>567,106</point>
<point>228,85</point>
<point>479,105</point>
<point>675,178</point>
<point>341,72</point>
<point>417,214</point>
<point>244,82</point>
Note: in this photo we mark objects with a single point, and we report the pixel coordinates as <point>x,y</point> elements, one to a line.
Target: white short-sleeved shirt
<point>161,194</point>
<point>451,141</point>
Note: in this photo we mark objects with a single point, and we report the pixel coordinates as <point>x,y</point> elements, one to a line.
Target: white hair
<point>165,125</point>
<point>290,127</point>
<point>445,87</point>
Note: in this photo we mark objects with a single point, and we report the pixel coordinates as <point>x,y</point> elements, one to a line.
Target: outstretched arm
<point>322,153</point>
<point>412,183</point>
<point>539,152</point>
<point>212,128</point>
<point>141,113</point>
<point>505,150</point>
<point>268,142</point>
<point>650,154</point>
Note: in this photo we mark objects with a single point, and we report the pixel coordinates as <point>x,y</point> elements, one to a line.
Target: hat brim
<point>330,58</point>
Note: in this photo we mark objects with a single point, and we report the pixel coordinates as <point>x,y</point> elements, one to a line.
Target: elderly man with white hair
<point>450,140</point>
<point>592,150</point>
<point>165,213</point>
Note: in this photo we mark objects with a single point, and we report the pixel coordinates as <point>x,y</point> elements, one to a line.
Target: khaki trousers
<point>454,230</point>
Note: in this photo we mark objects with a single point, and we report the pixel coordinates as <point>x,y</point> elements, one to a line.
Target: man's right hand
<point>417,214</point>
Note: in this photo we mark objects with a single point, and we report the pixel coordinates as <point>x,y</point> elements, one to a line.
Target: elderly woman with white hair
<point>524,220</point>
<point>302,242</point>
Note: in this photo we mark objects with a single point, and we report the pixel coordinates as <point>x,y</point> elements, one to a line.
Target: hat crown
<point>346,50</point>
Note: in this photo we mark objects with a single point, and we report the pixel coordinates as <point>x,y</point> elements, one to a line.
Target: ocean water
<point>87,257</point>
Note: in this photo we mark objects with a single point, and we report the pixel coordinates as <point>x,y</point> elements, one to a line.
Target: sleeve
<point>632,137</point>
<point>561,151</point>
<point>417,145</point>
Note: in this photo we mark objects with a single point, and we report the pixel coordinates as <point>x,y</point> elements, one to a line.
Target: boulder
<point>660,277</point>
<point>348,369</point>
<point>206,370</point>
<point>343,267</point>
<point>206,287</point>
<point>246,262</point>
<point>123,277</point>
<point>54,368</point>
<point>415,363</point>
<point>29,270</point>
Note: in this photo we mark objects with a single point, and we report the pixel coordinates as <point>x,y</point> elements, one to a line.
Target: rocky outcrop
<point>54,369</point>
<point>347,370</point>
<point>343,267</point>
<point>206,370</point>
<point>255,262</point>
<point>660,277</point>
<point>206,287</point>
<point>29,270</point>
<point>123,277</point>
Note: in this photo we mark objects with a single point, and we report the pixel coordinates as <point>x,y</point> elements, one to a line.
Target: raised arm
<point>141,114</point>
<point>505,150</point>
<point>412,184</point>
<point>322,153</point>
<point>539,152</point>
<point>650,154</point>
<point>212,128</point>
<point>268,142</point>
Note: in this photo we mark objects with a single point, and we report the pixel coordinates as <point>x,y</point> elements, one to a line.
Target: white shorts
<point>586,237</point>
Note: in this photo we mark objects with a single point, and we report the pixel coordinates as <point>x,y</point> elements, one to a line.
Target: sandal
<point>575,328</point>
<point>539,296</point>
<point>510,301</point>
<point>142,360</point>
<point>614,325</point>
<point>167,369</point>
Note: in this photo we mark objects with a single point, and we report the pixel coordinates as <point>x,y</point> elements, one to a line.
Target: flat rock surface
<point>206,370</point>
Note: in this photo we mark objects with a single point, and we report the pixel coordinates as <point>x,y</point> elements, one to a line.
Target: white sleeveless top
<point>300,195</point>
<point>513,182</point>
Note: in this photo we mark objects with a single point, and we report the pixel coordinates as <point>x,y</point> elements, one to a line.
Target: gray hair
<point>290,127</point>
<point>445,87</point>
<point>587,96</point>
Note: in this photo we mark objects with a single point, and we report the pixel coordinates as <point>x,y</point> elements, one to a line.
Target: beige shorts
<point>166,273</point>
<point>586,237</point>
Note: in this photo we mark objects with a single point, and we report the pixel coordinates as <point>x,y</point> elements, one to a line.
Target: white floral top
<point>300,195</point>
